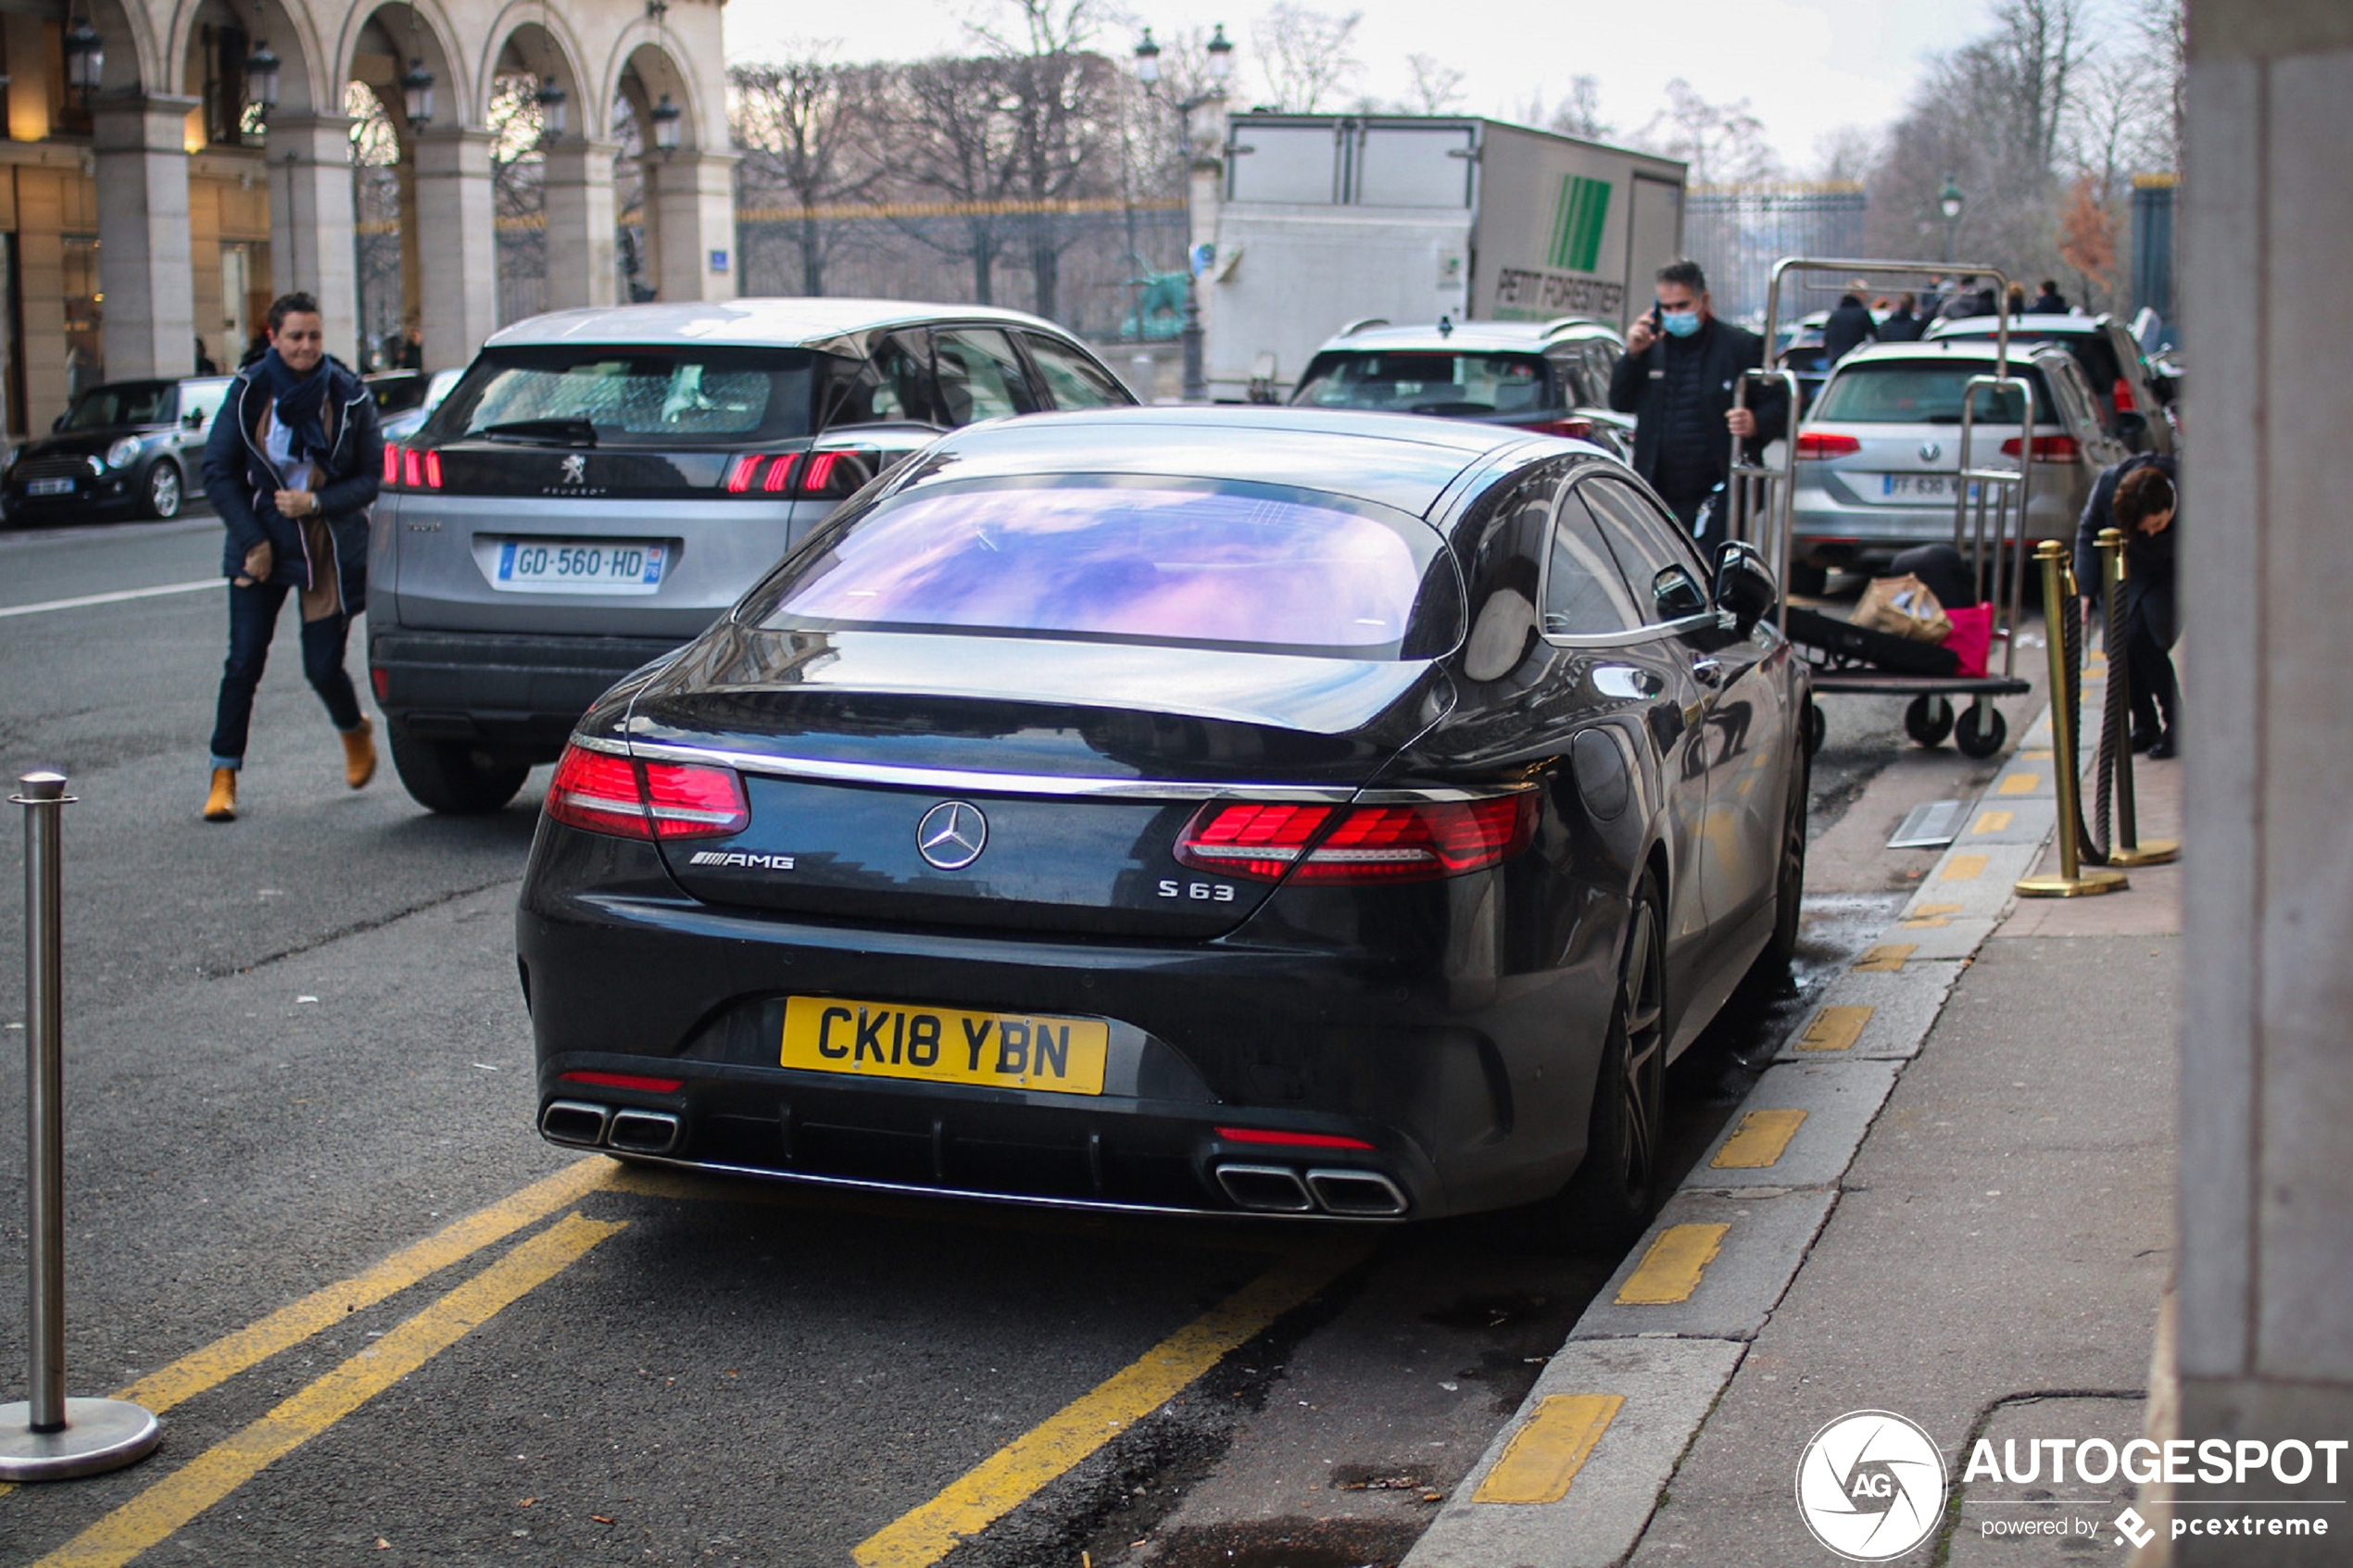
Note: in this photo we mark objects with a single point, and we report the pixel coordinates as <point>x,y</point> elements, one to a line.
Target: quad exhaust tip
<point>1269,1189</point>
<point>1367,1194</point>
<point>580,1124</point>
<point>1279,1189</point>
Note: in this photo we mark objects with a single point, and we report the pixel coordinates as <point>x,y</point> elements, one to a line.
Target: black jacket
<point>1638,387</point>
<point>2048,305</point>
<point>1848,329</point>
<point>242,485</point>
<point>1902,327</point>
<point>2148,557</point>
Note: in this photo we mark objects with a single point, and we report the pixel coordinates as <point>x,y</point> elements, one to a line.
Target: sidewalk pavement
<point>1951,1199</point>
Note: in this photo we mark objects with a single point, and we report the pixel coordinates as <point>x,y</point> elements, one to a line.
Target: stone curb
<point>1726,1246</point>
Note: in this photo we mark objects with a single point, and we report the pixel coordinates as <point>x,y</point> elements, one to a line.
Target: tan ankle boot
<point>220,806</point>
<point>360,754</point>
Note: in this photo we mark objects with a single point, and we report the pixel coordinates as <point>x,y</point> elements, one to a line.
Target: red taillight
<point>1293,1140</point>
<point>1408,843</point>
<point>1575,430</point>
<point>739,472</point>
<point>1817,444</point>
<point>419,470</point>
<point>380,678</point>
<point>392,464</point>
<point>603,793</point>
<point>628,1081</point>
<point>432,470</point>
<point>779,480</point>
<point>806,474</point>
<point>2047,448</point>
<point>2122,397</point>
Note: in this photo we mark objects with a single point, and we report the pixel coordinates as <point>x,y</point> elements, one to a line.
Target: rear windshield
<point>124,403</point>
<point>607,397</point>
<point>1429,382</point>
<point>1917,392</point>
<point>2092,350</point>
<point>1176,562</point>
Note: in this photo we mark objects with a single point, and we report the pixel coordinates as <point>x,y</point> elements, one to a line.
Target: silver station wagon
<point>1878,454</point>
<point>602,483</point>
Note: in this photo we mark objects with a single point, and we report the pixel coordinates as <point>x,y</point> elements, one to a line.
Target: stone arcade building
<point>163,205</point>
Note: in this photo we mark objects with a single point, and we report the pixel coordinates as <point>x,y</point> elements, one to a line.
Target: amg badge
<point>739,857</point>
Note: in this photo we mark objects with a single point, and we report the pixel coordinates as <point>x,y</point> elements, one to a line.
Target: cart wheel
<point>1981,742</point>
<point>1929,719</point>
<point>1817,727</point>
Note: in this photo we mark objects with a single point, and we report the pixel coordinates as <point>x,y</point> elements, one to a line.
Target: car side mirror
<point>193,419</point>
<point>1745,584</point>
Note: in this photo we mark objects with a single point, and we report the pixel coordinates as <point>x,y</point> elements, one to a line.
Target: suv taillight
<point>801,475</point>
<point>407,469</point>
<point>1417,842</point>
<point>603,793</point>
<point>2047,448</point>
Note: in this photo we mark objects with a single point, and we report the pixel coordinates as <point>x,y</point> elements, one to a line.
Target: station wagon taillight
<point>629,799</point>
<point>1417,842</point>
<point>1820,444</point>
<point>407,469</point>
<point>2047,448</point>
<point>801,475</point>
<point>1575,430</point>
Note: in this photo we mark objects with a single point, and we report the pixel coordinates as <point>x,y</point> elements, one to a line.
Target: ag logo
<point>1870,1485</point>
<point>575,469</point>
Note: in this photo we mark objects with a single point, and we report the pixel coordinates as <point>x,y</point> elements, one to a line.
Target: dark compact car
<point>601,484</point>
<point>126,448</point>
<point>1198,809</point>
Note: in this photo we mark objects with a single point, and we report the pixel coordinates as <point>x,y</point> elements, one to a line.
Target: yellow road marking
<point>1010,1476</point>
<point>1885,959</point>
<point>2042,756</point>
<point>2020,783</point>
<point>1964,868</point>
<point>1834,1029</point>
<point>1551,1446</point>
<point>1926,922</point>
<point>1760,1140</point>
<point>147,1520</point>
<point>291,1325</point>
<point>1669,1271</point>
<point>1994,821</point>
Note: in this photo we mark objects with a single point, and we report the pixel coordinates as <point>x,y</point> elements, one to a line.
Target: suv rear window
<point>1426,382</point>
<point>630,396</point>
<point>1923,392</point>
<point>2092,350</point>
<point>1254,568</point>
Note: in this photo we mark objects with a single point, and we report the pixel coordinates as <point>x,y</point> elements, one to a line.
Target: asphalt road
<point>299,1119</point>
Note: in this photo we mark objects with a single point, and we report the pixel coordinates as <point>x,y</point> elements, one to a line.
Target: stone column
<point>144,258</point>
<point>457,245</point>
<point>581,264</point>
<point>310,222</point>
<point>2266,1276</point>
<point>693,195</point>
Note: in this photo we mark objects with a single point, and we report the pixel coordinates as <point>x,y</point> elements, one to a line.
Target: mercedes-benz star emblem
<point>951,834</point>
<point>575,470</point>
<point>1930,451</point>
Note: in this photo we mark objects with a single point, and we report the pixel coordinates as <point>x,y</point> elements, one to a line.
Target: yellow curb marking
<point>1010,1476</point>
<point>153,1514</point>
<point>2042,755</point>
<point>1964,868</point>
<point>1760,1140</point>
<point>1550,1448</point>
<point>1834,1029</point>
<point>1926,922</point>
<point>1994,821</point>
<point>2020,783</point>
<point>1669,1271</point>
<point>1885,959</point>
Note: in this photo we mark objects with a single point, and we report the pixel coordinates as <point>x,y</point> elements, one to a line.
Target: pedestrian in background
<point>1849,327</point>
<point>2050,302</point>
<point>1682,364</point>
<point>1903,324</point>
<point>292,465</point>
<point>2017,300</point>
<point>2138,498</point>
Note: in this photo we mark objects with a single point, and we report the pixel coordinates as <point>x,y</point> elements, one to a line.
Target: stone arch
<point>538,37</point>
<point>404,30</point>
<point>303,76</point>
<point>139,67</point>
<point>646,59</point>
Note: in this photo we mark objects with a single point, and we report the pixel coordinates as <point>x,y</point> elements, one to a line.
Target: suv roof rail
<point>1560,324</point>
<point>1362,323</point>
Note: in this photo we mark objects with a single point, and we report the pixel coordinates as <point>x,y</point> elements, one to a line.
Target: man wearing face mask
<point>1678,378</point>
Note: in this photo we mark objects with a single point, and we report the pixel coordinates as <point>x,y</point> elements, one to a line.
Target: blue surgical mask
<point>1679,323</point>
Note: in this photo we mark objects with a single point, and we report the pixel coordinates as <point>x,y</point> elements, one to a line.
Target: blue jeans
<point>252,621</point>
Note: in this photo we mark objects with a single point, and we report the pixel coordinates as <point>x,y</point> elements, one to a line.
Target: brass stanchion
<point>2129,850</point>
<point>2075,879</point>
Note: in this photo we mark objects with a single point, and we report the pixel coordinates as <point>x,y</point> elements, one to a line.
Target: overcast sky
<point>1808,67</point>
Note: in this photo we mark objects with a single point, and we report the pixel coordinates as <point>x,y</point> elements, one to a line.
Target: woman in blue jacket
<point>292,465</point>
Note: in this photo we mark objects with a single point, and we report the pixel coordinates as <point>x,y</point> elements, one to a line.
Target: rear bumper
<point>1827,531</point>
<point>520,694</point>
<point>1472,1095</point>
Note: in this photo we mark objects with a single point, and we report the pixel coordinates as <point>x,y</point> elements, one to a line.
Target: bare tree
<point>1437,87</point>
<point>1305,54</point>
<point>956,138</point>
<point>1063,102</point>
<point>807,129</point>
<point>1724,143</point>
<point>1846,155</point>
<point>1580,114</point>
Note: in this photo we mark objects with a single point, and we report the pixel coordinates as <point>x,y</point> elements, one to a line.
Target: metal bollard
<point>48,1436</point>
<point>2129,850</point>
<point>2075,879</point>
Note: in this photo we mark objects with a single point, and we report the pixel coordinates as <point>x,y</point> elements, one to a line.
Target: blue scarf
<point>301,401</point>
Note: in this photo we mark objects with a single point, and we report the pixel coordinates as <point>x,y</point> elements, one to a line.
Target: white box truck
<point>1331,219</point>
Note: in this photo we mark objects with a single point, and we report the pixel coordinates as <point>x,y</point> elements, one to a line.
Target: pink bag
<point>1971,640</point>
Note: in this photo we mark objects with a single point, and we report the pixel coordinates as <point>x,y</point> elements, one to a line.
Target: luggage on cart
<point>1845,645</point>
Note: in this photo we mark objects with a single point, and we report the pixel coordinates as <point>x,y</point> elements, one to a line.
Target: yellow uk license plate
<point>1008,1050</point>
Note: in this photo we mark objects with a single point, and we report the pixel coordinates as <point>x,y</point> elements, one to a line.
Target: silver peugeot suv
<point>603,483</point>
